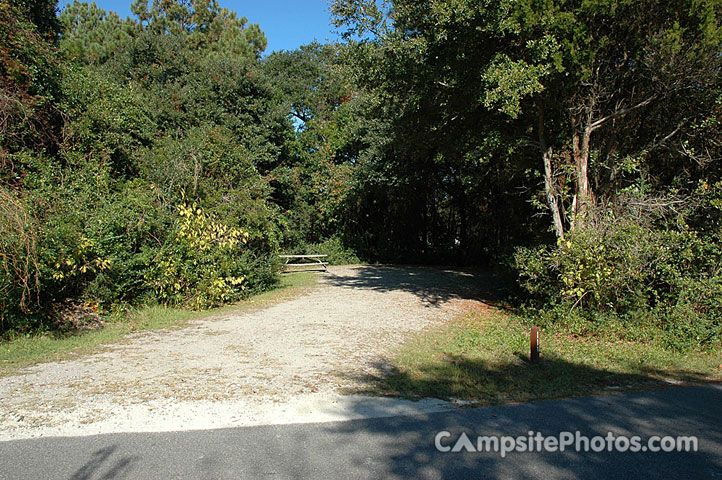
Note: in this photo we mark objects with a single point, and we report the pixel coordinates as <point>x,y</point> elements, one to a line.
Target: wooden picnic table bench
<point>312,261</point>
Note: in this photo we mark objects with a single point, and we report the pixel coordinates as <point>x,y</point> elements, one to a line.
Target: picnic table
<point>310,261</point>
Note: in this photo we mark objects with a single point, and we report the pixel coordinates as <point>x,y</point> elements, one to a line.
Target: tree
<point>449,80</point>
<point>168,124</point>
<point>326,108</point>
<point>29,82</point>
<point>619,62</point>
<point>312,79</point>
<point>575,80</point>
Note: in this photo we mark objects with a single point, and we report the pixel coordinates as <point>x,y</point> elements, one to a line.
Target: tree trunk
<point>549,180</point>
<point>462,229</point>
<point>580,146</point>
<point>583,128</point>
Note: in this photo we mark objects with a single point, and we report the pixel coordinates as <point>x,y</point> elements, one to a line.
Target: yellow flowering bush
<point>200,266</point>
<point>81,260</point>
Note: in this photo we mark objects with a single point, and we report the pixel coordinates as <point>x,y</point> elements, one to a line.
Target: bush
<point>200,265</point>
<point>333,247</point>
<point>19,269</point>
<point>90,240</point>
<point>645,276</point>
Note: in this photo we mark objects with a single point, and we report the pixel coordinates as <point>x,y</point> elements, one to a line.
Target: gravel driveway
<point>284,364</point>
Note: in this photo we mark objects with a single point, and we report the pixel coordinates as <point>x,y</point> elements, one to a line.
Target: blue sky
<point>287,24</point>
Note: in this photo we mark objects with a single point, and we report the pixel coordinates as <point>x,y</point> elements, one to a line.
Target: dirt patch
<point>294,353</point>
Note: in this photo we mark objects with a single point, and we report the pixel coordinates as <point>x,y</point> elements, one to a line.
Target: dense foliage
<point>135,168</point>
<point>161,158</point>
<point>512,122</point>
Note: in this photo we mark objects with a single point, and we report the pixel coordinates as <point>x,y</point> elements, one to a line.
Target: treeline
<point>137,159</point>
<point>575,143</point>
<point>161,158</point>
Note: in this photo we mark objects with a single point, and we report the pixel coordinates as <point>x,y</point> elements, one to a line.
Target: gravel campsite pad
<point>284,364</point>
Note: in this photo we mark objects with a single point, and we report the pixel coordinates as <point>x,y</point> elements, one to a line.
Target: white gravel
<point>283,364</point>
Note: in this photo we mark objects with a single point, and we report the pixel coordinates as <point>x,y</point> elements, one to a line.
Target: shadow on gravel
<point>434,286</point>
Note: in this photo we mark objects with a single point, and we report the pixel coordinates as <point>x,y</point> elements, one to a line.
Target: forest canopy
<point>166,157</point>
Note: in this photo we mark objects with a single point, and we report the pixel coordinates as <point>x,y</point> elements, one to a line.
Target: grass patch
<point>24,351</point>
<point>483,358</point>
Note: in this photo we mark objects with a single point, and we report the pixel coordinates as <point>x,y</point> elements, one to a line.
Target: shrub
<point>646,275</point>
<point>337,253</point>
<point>19,270</point>
<point>199,266</point>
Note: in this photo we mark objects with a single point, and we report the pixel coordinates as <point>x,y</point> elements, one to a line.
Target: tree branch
<point>598,123</point>
<point>673,133</point>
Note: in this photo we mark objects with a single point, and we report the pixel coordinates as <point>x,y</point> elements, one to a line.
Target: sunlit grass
<point>484,359</point>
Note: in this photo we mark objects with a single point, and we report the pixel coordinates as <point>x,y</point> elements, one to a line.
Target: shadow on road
<point>408,442</point>
<point>403,446</point>
<point>102,466</point>
<point>409,448</point>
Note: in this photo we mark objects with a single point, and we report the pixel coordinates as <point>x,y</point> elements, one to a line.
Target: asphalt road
<point>400,447</point>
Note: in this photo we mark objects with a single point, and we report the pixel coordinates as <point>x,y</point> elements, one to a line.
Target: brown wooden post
<point>534,344</point>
